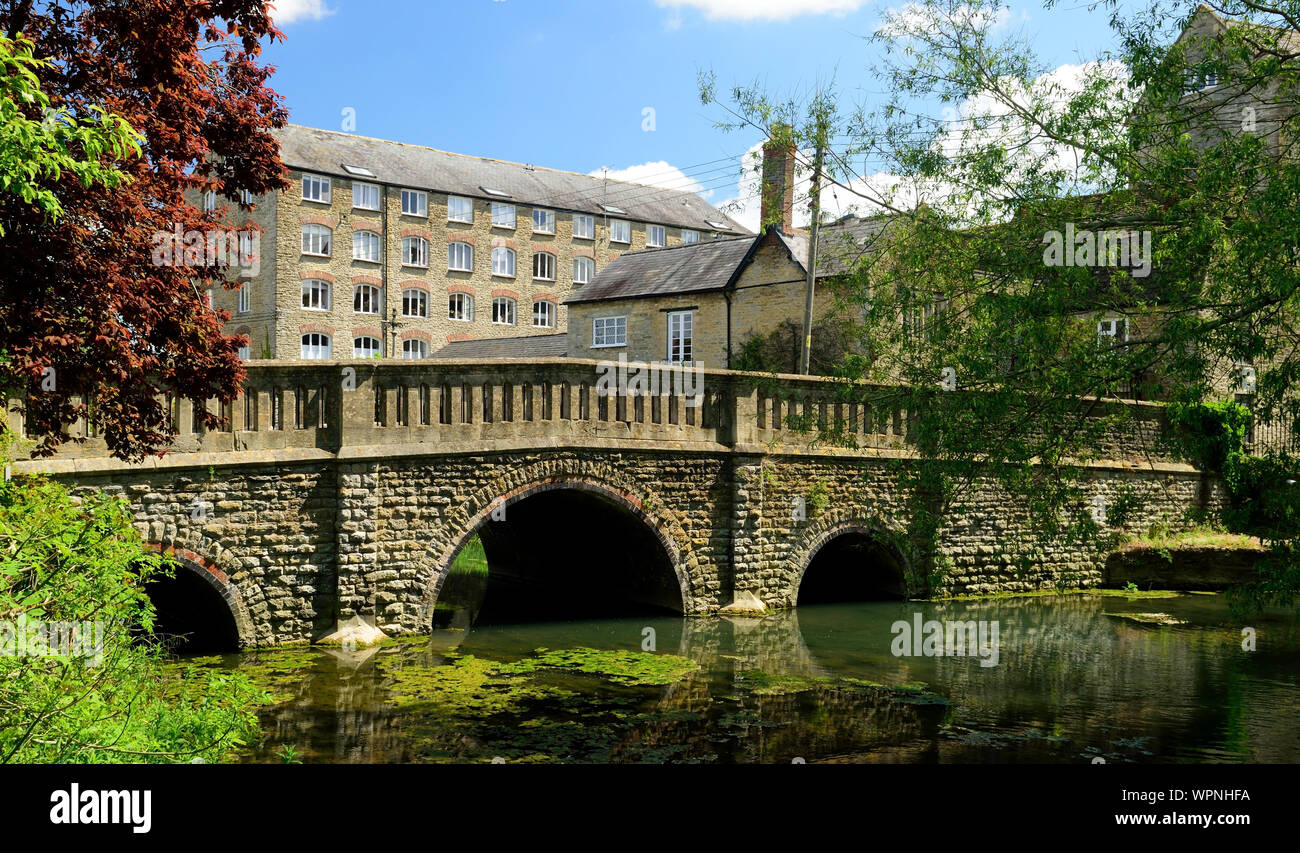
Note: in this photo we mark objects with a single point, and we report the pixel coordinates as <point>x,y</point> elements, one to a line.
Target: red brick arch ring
<point>623,498</point>
<point>211,574</point>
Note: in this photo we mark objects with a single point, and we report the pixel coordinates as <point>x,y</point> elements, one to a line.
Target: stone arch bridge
<point>346,488</point>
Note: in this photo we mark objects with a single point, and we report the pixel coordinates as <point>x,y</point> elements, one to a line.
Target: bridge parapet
<point>372,408</point>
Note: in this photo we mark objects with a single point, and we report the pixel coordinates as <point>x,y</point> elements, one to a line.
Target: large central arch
<point>657,530</point>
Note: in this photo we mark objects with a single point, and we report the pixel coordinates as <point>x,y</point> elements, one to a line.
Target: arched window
<point>584,270</point>
<point>503,311</point>
<point>415,252</point>
<point>366,347</point>
<point>413,349</point>
<point>315,345</point>
<point>460,306</point>
<point>503,261</point>
<point>365,299</point>
<point>365,246</point>
<point>415,303</point>
<point>544,266</point>
<point>316,295</point>
<point>316,240</point>
<point>544,314</point>
<point>460,257</point>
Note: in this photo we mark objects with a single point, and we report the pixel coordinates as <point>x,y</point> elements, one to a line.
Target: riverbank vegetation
<point>81,681</point>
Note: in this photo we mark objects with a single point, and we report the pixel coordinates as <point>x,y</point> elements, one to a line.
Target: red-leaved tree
<point>91,325</point>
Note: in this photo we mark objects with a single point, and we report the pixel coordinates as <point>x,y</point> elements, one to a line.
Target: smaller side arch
<point>198,566</point>
<point>880,538</point>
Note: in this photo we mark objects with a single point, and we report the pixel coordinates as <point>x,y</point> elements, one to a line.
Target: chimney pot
<point>777,206</point>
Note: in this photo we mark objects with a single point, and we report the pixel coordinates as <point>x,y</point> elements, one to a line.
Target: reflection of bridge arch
<point>199,583</point>
<point>844,537</point>
<point>653,520</point>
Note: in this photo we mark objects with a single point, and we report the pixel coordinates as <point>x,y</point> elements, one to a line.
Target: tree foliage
<point>90,327</point>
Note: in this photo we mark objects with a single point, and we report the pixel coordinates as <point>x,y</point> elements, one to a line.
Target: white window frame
<point>413,297</point>
<point>455,201</point>
<point>466,250</point>
<point>421,349</point>
<point>509,255</point>
<point>316,188</point>
<point>461,303</point>
<point>361,349</point>
<point>587,265</point>
<point>420,198</point>
<point>366,241</point>
<point>210,201</point>
<point>315,345</point>
<point>367,294</point>
<point>499,217</point>
<point>620,231</point>
<point>243,299</point>
<point>588,231</point>
<point>651,231</point>
<point>503,306</point>
<point>547,314</point>
<point>245,353</point>
<point>1111,328</point>
<point>690,236</point>
<point>609,331</point>
<point>681,337</point>
<point>364,190</point>
<point>548,260</point>
<point>547,225</point>
<point>421,258</point>
<point>316,290</point>
<point>317,240</point>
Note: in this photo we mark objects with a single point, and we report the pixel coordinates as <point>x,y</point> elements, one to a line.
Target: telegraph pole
<point>805,353</point>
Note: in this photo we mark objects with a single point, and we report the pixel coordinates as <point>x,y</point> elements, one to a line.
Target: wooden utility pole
<point>805,354</point>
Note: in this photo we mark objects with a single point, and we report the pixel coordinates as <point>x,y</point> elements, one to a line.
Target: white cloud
<point>764,10</point>
<point>914,18</point>
<point>658,173</point>
<point>288,11</point>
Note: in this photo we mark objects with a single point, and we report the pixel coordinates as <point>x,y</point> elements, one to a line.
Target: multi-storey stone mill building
<point>344,489</point>
<point>382,248</point>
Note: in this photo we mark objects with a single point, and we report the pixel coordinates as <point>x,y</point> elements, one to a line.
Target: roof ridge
<point>531,166</point>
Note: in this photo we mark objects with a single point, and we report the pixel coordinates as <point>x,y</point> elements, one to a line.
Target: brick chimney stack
<point>778,182</point>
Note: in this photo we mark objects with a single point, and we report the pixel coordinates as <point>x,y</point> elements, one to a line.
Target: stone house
<point>385,249</point>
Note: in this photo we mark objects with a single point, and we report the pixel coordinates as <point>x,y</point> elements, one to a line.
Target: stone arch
<point>198,566</point>
<point>828,528</point>
<point>659,521</point>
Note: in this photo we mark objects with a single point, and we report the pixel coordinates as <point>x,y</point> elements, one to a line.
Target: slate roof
<point>531,346</point>
<point>417,167</point>
<point>711,265</point>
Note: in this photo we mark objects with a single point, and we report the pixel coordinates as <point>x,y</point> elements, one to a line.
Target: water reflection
<point>1073,681</point>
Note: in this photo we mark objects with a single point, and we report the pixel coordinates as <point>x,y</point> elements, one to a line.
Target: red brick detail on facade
<point>545,297</point>
<point>315,273</point>
<point>417,232</point>
<point>367,225</point>
<point>365,332</point>
<point>367,279</point>
<point>460,288</point>
<point>497,242</point>
<point>461,237</point>
<point>503,292</point>
<point>451,338</point>
<point>418,336</point>
<point>583,252</point>
<point>309,328</point>
<point>316,219</point>
<point>413,284</point>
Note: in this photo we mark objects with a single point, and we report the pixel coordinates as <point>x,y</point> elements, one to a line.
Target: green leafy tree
<point>66,561</point>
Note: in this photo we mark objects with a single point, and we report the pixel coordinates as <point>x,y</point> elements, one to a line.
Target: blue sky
<point>565,83</point>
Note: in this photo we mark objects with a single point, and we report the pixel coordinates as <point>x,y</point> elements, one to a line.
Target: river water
<point>1075,681</point>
